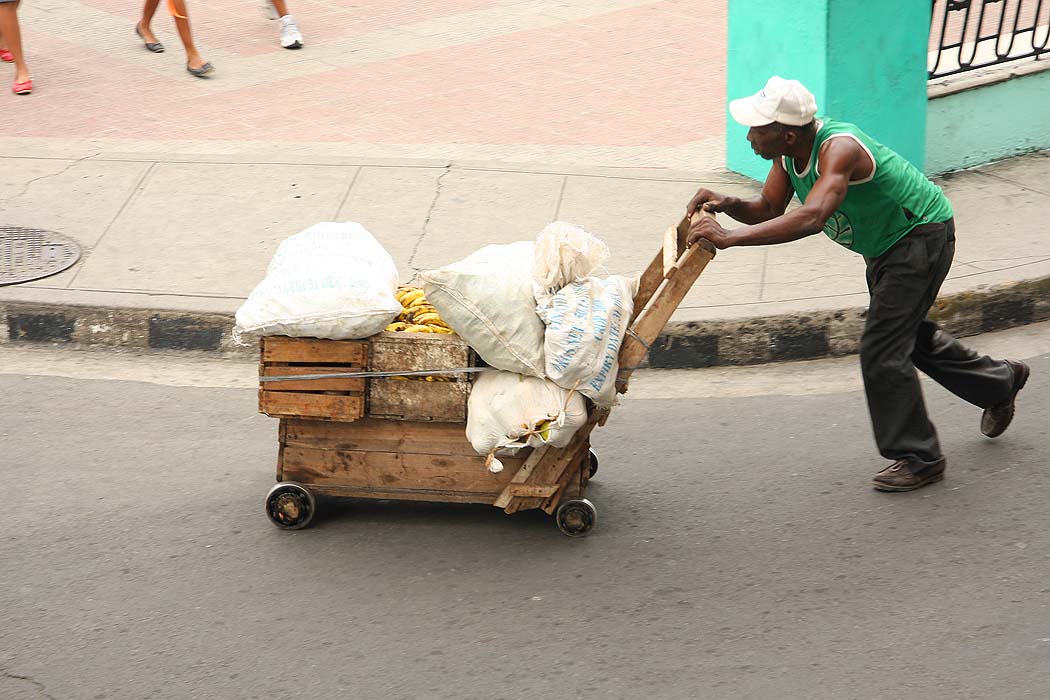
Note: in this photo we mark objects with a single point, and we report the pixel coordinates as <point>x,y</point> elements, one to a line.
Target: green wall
<point>762,43</point>
<point>988,123</point>
<point>865,62</point>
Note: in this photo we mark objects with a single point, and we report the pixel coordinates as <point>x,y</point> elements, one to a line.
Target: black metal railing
<point>970,34</point>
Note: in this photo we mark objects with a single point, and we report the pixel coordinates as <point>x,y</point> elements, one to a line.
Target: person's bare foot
<point>21,76</point>
<point>147,34</point>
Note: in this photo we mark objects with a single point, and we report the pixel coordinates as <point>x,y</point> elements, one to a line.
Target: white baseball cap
<point>783,101</point>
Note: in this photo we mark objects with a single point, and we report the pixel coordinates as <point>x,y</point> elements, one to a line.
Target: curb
<point>693,345</point>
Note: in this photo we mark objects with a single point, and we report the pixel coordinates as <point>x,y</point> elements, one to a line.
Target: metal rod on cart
<point>352,375</point>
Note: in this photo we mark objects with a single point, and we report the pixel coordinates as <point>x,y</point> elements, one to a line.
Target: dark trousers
<point>898,338</point>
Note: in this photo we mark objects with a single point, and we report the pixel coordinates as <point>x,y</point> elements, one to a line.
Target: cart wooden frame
<point>385,439</point>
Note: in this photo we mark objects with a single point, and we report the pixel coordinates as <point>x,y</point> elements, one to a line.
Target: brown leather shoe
<point>996,419</point>
<point>902,476</point>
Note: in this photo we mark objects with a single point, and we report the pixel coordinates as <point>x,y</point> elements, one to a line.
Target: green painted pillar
<point>865,62</point>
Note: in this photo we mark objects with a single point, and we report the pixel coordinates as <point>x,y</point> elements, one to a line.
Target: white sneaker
<point>291,38</point>
<point>268,9</point>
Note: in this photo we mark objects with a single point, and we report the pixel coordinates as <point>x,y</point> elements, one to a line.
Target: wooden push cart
<point>404,438</point>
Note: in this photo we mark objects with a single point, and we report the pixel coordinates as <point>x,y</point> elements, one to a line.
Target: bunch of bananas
<point>418,315</point>
<point>428,378</point>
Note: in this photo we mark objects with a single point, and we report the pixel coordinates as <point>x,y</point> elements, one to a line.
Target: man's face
<point>769,141</point>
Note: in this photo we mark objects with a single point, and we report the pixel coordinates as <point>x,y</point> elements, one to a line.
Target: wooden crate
<point>335,399</point>
<point>347,399</point>
<point>415,399</point>
<point>373,458</point>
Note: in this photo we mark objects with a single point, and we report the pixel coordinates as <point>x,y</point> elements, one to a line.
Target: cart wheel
<point>576,517</point>
<point>593,467</point>
<point>289,506</point>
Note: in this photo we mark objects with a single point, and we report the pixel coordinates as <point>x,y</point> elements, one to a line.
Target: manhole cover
<point>29,254</point>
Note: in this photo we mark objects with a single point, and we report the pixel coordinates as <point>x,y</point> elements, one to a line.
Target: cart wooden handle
<point>675,238</point>
<point>661,289</point>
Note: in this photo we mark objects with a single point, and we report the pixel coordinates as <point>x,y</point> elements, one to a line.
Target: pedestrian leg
<point>291,37</point>
<point>195,64</point>
<point>12,34</point>
<point>145,31</point>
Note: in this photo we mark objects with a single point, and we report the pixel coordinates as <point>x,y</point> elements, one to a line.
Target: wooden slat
<point>670,250</point>
<point>356,384</point>
<point>650,281</point>
<point>647,327</point>
<point>653,276</point>
<point>283,404</point>
<point>413,400</point>
<point>570,482</point>
<point>551,465</point>
<point>432,495</point>
<point>406,352</point>
<point>529,491</point>
<point>523,473</point>
<point>314,351</point>
<point>392,471</point>
<point>685,224</point>
<point>570,472</point>
<point>374,435</point>
<point>553,470</point>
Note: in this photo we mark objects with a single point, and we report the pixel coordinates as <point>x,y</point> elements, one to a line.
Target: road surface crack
<point>430,213</point>
<point>28,679</point>
<point>63,171</point>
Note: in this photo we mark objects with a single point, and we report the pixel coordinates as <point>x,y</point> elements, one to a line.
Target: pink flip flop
<point>23,88</point>
<point>6,56</point>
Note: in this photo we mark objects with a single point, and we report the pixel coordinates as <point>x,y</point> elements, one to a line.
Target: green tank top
<point>877,211</point>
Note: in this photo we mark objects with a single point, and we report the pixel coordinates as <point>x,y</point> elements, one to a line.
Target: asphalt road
<point>740,552</point>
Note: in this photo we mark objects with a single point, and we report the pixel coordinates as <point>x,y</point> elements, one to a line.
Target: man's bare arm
<point>771,202</point>
<point>838,162</point>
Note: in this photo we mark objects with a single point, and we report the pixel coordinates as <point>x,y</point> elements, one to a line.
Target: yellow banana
<point>417,328</point>
<point>396,326</point>
<point>412,298</point>
<point>426,318</point>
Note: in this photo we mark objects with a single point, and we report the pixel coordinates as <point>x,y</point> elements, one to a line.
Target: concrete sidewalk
<point>173,244</point>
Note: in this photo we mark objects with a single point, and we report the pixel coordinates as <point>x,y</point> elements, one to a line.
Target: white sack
<point>586,322</point>
<point>333,280</point>
<point>566,253</point>
<point>507,411</point>
<point>487,299</point>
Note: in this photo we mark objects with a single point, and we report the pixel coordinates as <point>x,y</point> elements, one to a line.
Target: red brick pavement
<point>237,26</point>
<point>650,75</point>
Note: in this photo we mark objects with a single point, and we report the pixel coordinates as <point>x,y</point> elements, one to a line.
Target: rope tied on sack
<point>495,466</point>
<point>648,347</point>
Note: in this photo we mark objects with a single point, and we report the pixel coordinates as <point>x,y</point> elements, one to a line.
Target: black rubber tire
<point>290,506</point>
<point>592,469</point>
<point>576,517</point>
